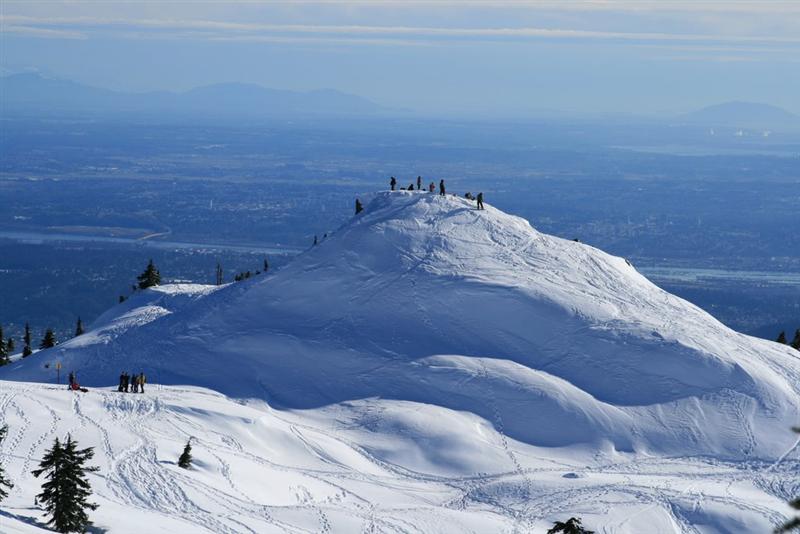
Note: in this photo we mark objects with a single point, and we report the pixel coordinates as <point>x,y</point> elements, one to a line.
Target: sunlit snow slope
<point>448,369</point>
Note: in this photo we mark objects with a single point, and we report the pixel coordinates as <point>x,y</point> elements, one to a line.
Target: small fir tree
<point>49,340</point>
<point>66,491</point>
<point>571,526</point>
<point>5,484</point>
<point>3,350</point>
<point>781,338</point>
<point>10,346</point>
<point>185,461</point>
<point>796,341</point>
<point>27,340</point>
<point>26,351</point>
<point>150,277</point>
<point>79,328</point>
<point>219,274</point>
<point>266,268</point>
<point>359,207</point>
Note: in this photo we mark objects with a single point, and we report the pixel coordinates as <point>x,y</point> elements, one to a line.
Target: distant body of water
<point>688,274</point>
<point>41,237</point>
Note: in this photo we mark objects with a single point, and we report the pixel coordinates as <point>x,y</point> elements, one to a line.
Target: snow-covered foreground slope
<point>446,369</point>
<point>368,466</point>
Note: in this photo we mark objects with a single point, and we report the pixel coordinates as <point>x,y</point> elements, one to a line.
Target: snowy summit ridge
<point>431,326</point>
<point>421,296</point>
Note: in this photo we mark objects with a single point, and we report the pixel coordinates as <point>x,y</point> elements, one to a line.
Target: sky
<point>504,58</point>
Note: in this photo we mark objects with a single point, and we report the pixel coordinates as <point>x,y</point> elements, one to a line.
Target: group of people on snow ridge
<point>431,189</point>
<point>133,383</point>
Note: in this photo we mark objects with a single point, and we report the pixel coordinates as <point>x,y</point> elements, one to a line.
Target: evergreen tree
<point>219,274</point>
<point>10,346</point>
<point>266,266</point>
<point>3,350</point>
<point>26,349</point>
<point>781,338</point>
<point>66,490</point>
<point>185,461</point>
<point>359,207</point>
<point>49,340</point>
<point>4,482</point>
<point>150,277</point>
<point>121,299</point>
<point>795,342</point>
<point>571,526</point>
<point>79,328</point>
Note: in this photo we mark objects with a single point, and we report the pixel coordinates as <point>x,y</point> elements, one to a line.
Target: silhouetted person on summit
<point>393,183</point>
<point>480,201</point>
<point>432,187</point>
<point>419,183</point>
<point>441,188</point>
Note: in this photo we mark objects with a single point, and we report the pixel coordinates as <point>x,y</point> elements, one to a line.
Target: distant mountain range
<point>743,114</point>
<point>35,94</point>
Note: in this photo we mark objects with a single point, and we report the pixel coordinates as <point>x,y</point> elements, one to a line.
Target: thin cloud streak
<point>44,33</point>
<point>257,30</point>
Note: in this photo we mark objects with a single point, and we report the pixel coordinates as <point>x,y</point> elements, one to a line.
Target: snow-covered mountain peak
<point>424,298</point>
<point>428,367</point>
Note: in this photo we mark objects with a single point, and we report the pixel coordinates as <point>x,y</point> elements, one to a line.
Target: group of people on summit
<point>133,383</point>
<point>431,189</point>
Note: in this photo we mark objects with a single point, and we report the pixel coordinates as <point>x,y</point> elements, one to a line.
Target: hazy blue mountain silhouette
<point>744,114</point>
<point>31,93</point>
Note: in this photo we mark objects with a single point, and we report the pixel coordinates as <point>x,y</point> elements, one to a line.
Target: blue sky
<point>473,57</point>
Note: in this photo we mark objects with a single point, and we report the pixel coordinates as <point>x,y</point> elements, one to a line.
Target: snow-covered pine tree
<point>66,490</point>
<point>49,339</point>
<point>4,482</point>
<point>3,349</point>
<point>571,526</point>
<point>781,338</point>
<point>79,328</point>
<point>150,277</point>
<point>795,342</point>
<point>185,461</point>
